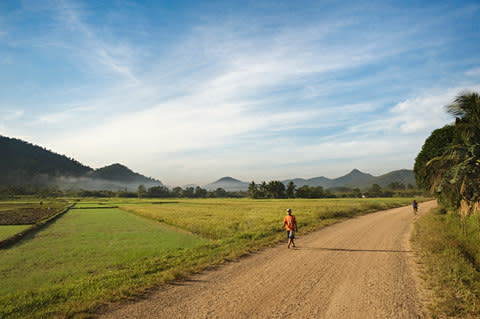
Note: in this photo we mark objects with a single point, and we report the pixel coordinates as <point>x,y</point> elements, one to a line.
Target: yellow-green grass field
<point>94,255</point>
<point>219,219</point>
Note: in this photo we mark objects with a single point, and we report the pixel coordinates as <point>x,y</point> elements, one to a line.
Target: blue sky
<point>190,91</point>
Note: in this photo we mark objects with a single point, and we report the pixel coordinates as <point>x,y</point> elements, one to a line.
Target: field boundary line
<point>12,240</point>
<point>162,223</point>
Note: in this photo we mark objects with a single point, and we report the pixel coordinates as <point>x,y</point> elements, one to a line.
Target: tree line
<point>276,189</point>
<point>142,192</point>
<point>187,192</point>
<point>273,189</point>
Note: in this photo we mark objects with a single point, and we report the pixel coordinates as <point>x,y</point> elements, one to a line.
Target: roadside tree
<point>452,171</point>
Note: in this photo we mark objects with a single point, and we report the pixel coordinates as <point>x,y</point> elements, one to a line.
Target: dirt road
<point>361,268</point>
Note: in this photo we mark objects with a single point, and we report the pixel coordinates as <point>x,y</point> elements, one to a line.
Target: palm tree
<point>262,190</point>
<point>466,109</point>
<point>252,190</point>
<point>290,192</point>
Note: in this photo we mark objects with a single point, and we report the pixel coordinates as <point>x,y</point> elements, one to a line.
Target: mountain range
<point>358,179</point>
<point>354,179</point>
<point>22,164</point>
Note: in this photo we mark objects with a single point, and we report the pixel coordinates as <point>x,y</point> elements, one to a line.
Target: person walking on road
<point>415,207</point>
<point>290,224</point>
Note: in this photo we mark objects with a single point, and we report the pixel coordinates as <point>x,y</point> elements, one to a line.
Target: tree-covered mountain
<point>402,176</point>
<point>352,179</point>
<point>120,173</point>
<point>25,163</point>
<point>22,164</point>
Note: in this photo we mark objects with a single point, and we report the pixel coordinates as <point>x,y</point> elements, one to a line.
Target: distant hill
<point>354,179</point>
<point>22,164</point>
<point>120,173</point>
<point>358,179</point>
<point>403,176</point>
<point>316,181</point>
<point>351,180</point>
<point>227,183</point>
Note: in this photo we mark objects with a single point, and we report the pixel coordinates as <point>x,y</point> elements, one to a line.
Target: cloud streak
<point>115,58</point>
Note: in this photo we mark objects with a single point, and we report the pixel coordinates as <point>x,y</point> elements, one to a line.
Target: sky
<point>190,91</point>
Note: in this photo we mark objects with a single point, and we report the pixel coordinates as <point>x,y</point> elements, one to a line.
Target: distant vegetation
<point>140,192</point>
<point>271,190</point>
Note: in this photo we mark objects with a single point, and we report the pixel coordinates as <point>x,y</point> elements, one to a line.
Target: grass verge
<point>450,263</point>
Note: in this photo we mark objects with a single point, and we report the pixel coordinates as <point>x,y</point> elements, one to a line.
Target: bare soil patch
<point>27,214</point>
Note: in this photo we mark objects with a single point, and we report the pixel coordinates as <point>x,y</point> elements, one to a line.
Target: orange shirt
<point>289,222</point>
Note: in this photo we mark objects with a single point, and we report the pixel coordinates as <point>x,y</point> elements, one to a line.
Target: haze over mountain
<point>22,164</point>
<point>358,179</point>
<point>354,179</point>
<point>227,183</point>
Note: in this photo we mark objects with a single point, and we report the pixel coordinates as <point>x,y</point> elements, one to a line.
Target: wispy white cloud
<point>473,72</point>
<point>427,112</point>
<point>82,40</point>
<point>70,114</point>
<point>116,58</point>
<point>11,115</point>
<point>417,115</point>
